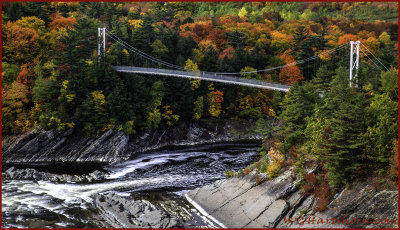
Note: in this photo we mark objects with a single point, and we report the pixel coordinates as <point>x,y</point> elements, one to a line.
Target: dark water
<point>161,177</point>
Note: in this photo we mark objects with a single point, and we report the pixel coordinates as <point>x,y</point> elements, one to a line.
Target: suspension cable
<point>370,59</point>
<point>149,57</point>
<point>374,56</point>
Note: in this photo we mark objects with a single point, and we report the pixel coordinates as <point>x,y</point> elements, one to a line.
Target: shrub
<point>229,173</point>
<point>263,165</point>
<point>319,186</point>
<point>239,173</point>
<point>323,193</point>
<point>273,169</point>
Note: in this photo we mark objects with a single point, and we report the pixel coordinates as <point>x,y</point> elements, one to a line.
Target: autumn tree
<point>20,45</point>
<point>290,72</point>
<point>214,99</point>
<point>15,114</point>
<point>189,65</point>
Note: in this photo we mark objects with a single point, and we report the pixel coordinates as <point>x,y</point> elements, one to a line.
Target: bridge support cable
<point>140,53</point>
<point>151,58</point>
<point>230,77</point>
<point>374,57</point>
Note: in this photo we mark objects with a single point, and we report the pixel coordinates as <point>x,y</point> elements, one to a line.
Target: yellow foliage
<point>125,52</point>
<point>385,38</point>
<point>324,55</point>
<point>169,116</point>
<point>195,83</point>
<point>271,112</point>
<point>65,84</point>
<point>134,24</point>
<point>70,97</point>
<point>273,169</point>
<point>70,125</point>
<point>98,97</point>
<point>89,62</point>
<point>242,12</point>
<point>205,44</point>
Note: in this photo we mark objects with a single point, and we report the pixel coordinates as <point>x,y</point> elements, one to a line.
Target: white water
<point>178,172</point>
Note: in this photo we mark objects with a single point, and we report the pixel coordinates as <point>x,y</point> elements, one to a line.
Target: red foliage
<point>218,36</point>
<point>292,152</point>
<point>323,193</point>
<point>63,67</point>
<point>228,52</point>
<point>311,178</point>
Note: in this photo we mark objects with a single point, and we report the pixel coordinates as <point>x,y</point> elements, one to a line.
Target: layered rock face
<point>57,146</point>
<point>241,203</point>
<point>73,146</point>
<point>122,212</point>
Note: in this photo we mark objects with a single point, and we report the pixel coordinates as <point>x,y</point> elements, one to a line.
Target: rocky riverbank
<point>73,146</point>
<point>241,203</point>
<point>122,212</point>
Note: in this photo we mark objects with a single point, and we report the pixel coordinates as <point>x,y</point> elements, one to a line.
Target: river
<point>160,177</point>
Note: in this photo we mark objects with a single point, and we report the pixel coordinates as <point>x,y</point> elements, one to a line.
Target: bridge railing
<point>204,76</point>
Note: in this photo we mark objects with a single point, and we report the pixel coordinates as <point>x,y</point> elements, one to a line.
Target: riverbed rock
<point>240,203</point>
<point>125,212</point>
<point>33,174</point>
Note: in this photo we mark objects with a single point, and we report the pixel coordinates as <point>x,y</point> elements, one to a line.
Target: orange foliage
<point>289,73</point>
<point>218,96</point>
<point>198,30</point>
<point>20,45</point>
<point>347,38</point>
<point>61,22</point>
<point>23,75</point>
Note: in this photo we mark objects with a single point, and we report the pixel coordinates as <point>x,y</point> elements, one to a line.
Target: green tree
<point>390,83</point>
<point>156,95</point>
<point>382,130</point>
<point>297,106</point>
<point>198,108</point>
<point>343,156</point>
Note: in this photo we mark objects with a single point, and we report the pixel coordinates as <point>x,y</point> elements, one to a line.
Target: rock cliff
<point>73,146</point>
<point>241,203</point>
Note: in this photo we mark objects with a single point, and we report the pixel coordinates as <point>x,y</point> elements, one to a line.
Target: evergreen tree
<point>297,106</point>
<point>343,155</point>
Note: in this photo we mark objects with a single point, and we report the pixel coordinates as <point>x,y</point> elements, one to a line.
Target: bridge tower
<point>354,59</point>
<point>102,41</point>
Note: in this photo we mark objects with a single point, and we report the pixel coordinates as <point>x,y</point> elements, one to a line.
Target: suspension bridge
<point>232,78</point>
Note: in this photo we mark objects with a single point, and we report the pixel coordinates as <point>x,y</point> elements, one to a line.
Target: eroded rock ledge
<point>74,146</point>
<point>32,174</point>
<point>240,203</point>
<point>122,212</point>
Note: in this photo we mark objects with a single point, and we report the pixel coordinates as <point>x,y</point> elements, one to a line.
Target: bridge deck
<point>204,76</point>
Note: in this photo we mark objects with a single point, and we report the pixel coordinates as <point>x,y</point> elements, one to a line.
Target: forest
<point>52,76</point>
